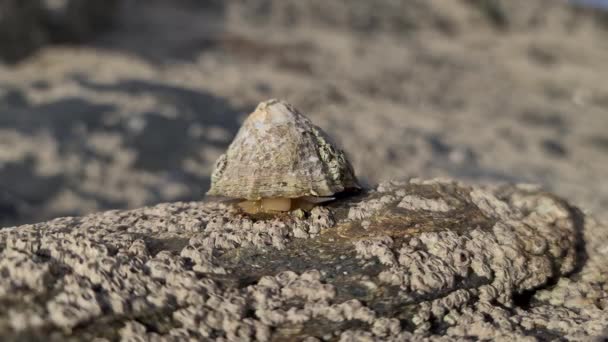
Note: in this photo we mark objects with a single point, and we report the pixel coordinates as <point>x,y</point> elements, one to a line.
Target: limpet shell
<point>279,153</point>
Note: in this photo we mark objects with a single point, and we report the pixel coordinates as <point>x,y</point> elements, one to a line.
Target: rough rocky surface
<point>418,260</point>
<point>479,90</point>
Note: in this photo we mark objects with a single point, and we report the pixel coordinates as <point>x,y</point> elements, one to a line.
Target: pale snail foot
<point>275,205</point>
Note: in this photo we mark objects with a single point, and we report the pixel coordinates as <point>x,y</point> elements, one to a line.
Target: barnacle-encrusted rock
<point>279,153</point>
<point>417,260</point>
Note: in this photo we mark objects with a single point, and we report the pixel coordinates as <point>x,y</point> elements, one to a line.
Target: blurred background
<point>120,104</point>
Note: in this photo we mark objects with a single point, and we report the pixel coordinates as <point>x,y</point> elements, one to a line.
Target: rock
<point>20,30</point>
<point>410,260</point>
<point>77,20</point>
<point>28,25</point>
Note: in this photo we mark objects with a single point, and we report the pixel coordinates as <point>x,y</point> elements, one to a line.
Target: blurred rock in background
<point>27,25</point>
<point>125,104</point>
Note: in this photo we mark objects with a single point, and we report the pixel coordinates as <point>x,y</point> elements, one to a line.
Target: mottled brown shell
<point>278,152</point>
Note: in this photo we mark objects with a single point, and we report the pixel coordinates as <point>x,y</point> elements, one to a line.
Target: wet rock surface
<point>416,260</point>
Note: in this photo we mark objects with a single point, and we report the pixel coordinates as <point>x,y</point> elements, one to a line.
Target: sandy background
<point>132,106</point>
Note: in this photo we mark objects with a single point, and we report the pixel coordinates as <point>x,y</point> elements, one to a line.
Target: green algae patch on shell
<point>279,153</point>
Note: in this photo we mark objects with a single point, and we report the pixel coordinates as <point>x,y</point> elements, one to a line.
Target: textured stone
<point>509,263</point>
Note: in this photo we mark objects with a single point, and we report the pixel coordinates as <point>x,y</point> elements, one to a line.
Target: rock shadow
<point>160,143</point>
<point>24,189</point>
<point>164,141</point>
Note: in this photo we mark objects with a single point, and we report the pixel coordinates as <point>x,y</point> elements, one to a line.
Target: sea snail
<point>280,161</point>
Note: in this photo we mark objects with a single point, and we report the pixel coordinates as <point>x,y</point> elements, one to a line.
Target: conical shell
<point>278,152</point>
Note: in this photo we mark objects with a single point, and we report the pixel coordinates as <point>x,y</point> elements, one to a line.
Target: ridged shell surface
<point>278,152</point>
